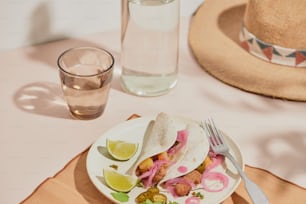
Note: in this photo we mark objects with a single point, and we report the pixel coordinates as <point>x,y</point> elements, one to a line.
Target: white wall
<point>27,22</point>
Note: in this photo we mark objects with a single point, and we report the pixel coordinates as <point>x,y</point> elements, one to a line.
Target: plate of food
<point>163,159</point>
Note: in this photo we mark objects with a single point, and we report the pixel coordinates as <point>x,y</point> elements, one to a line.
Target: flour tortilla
<point>160,135</point>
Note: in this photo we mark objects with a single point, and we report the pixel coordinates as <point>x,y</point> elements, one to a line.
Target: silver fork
<point>219,146</point>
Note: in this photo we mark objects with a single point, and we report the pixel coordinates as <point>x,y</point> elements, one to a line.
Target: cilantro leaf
<point>122,197</point>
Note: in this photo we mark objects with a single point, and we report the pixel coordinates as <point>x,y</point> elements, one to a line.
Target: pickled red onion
<point>147,177</point>
<point>216,160</point>
<point>151,173</point>
<point>207,174</point>
<point>193,200</point>
<point>214,176</point>
<point>181,138</point>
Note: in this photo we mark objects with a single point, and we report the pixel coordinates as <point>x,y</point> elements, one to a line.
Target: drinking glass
<point>86,74</point>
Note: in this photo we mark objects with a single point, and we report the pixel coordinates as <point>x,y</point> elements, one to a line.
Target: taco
<point>196,152</point>
<point>183,175</point>
<point>196,167</point>
<point>164,145</point>
<point>176,156</point>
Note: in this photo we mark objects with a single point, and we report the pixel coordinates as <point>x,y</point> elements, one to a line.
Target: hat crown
<point>278,22</point>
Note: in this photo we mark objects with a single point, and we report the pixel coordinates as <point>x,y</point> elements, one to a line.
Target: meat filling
<point>183,189</point>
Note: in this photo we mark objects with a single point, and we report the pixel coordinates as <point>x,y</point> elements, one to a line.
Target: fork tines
<point>213,133</point>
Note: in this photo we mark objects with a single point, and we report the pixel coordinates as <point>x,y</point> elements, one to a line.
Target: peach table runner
<point>72,186</point>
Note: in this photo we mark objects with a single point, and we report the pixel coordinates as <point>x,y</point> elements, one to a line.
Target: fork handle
<point>256,194</point>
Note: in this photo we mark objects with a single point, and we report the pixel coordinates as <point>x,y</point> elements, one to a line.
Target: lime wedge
<point>121,150</point>
<point>119,182</point>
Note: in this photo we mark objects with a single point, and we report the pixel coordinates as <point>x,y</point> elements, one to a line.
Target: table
<point>38,137</point>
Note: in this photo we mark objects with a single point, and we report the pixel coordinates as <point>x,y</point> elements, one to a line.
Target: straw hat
<point>257,46</point>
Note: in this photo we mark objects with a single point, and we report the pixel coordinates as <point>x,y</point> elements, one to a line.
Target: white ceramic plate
<point>133,131</point>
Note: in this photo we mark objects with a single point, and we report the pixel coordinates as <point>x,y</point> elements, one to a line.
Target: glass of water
<point>86,74</point>
<point>149,46</point>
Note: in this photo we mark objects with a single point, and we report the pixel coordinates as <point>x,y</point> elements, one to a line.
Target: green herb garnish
<point>120,196</point>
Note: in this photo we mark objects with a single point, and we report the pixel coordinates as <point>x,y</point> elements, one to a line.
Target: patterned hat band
<point>271,53</point>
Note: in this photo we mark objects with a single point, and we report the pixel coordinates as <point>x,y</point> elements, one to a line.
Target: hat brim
<point>214,41</point>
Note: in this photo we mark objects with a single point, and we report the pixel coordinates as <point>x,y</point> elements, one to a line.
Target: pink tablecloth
<point>38,136</point>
